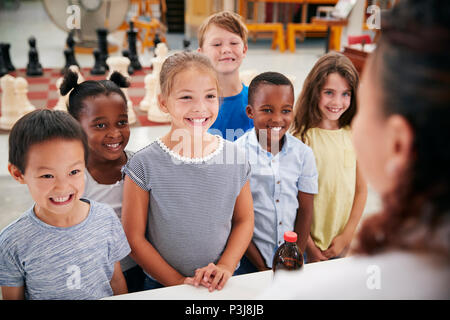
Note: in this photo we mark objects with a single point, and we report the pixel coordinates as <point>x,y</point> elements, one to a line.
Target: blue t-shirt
<point>63,263</point>
<point>232,116</point>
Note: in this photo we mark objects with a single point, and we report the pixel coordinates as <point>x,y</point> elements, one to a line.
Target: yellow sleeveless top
<point>336,165</point>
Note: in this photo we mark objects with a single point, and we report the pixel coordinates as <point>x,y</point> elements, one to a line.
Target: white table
<point>242,287</point>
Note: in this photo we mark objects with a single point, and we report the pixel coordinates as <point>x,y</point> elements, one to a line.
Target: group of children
<point>184,209</point>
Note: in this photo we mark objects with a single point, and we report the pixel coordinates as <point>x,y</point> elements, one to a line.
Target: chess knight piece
<point>34,67</point>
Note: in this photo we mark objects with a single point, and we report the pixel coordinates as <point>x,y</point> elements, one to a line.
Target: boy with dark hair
<point>284,176</point>
<point>63,247</point>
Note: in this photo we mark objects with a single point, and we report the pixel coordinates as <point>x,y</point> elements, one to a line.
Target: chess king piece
<point>154,113</point>
<point>98,68</point>
<point>69,53</point>
<point>34,67</point>
<point>21,90</point>
<point>121,64</point>
<point>133,56</point>
<point>12,106</point>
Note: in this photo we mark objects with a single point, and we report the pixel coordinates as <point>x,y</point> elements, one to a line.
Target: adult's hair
<point>227,20</point>
<point>90,88</point>
<point>39,126</point>
<point>411,68</point>
<point>182,61</point>
<point>307,113</point>
<point>272,78</point>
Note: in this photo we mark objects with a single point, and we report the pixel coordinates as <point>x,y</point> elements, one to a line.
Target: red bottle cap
<point>290,236</point>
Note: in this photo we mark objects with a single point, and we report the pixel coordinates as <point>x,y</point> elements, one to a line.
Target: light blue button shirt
<point>275,182</point>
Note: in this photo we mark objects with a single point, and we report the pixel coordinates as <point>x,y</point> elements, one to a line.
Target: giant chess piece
<point>13,107</point>
<point>61,104</point>
<point>121,64</point>
<point>3,68</point>
<point>98,68</point>
<point>126,53</point>
<point>186,44</point>
<point>154,113</point>
<point>63,101</point>
<point>34,67</point>
<point>69,53</point>
<point>4,48</point>
<point>102,35</point>
<point>21,91</point>
<point>150,83</point>
<point>133,56</point>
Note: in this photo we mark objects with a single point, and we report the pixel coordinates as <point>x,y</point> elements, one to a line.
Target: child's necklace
<point>184,159</point>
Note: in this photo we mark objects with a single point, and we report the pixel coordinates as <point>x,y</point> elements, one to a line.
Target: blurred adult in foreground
<point>400,134</point>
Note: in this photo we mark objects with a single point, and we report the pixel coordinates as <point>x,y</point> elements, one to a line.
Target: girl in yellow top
<point>324,111</point>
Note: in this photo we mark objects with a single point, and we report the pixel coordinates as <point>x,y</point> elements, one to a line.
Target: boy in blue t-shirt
<point>284,177</point>
<point>223,39</point>
<point>63,247</point>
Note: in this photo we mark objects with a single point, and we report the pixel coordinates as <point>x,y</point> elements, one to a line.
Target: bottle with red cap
<point>288,256</point>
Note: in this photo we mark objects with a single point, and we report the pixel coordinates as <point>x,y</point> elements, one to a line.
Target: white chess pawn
<point>154,113</point>
<point>121,64</point>
<point>21,89</point>
<point>11,110</point>
<point>150,82</point>
<point>62,100</point>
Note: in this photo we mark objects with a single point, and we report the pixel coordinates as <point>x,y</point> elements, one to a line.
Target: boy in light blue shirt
<point>284,175</point>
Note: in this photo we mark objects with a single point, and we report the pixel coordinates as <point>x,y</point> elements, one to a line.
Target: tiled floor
<point>15,29</point>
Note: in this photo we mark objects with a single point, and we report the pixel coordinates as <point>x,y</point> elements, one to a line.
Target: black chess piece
<point>69,53</point>
<point>4,47</point>
<point>98,68</point>
<point>186,44</point>
<point>34,67</point>
<point>133,56</point>
<point>3,68</point>
<point>102,34</point>
<point>126,53</point>
<point>156,40</point>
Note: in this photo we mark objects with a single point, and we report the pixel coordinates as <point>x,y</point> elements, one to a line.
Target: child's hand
<point>314,254</point>
<point>212,276</point>
<point>337,246</point>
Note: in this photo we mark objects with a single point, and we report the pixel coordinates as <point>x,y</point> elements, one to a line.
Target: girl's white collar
<point>191,160</point>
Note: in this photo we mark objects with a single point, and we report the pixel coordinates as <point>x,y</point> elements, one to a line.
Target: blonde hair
<point>182,61</point>
<point>307,113</point>
<point>227,20</point>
